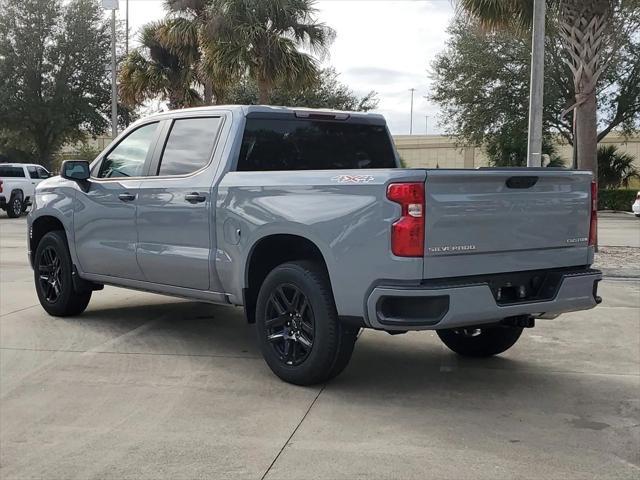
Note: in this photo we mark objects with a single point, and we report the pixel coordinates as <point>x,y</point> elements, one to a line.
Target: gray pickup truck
<point>306,219</point>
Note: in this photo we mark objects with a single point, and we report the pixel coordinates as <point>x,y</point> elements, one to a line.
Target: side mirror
<point>77,170</point>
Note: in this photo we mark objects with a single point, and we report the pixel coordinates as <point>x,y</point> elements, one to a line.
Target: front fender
<point>54,197</point>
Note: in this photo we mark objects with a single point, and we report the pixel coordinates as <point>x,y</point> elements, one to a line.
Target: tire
<point>15,206</point>
<point>52,268</point>
<point>295,307</point>
<point>480,342</point>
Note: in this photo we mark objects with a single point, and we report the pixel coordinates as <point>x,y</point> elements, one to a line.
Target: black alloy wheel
<point>300,335</point>
<point>290,326</point>
<point>50,271</point>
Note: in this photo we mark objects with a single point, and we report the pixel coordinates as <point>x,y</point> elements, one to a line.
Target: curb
<point>617,211</point>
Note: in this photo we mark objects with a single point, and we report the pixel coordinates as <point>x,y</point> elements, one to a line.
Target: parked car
<point>636,205</point>
<point>17,186</point>
<point>305,218</point>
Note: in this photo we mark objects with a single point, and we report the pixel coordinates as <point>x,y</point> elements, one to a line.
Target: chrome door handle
<point>194,197</point>
<point>127,197</point>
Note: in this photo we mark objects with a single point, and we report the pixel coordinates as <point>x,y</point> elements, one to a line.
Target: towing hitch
<point>521,321</point>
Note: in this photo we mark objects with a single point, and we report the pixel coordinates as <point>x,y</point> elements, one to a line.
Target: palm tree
<point>584,26</point>
<point>154,70</point>
<point>615,168</point>
<point>186,26</point>
<point>261,38</point>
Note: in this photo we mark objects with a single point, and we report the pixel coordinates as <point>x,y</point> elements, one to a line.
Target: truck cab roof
<point>269,111</point>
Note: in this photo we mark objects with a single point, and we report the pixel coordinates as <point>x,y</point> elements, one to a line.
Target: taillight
<point>593,226</point>
<point>407,234</point>
<point>0,186</point>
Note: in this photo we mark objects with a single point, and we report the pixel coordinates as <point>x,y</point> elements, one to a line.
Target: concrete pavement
<point>144,386</point>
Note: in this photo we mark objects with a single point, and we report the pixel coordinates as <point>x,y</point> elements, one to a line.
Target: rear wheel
<point>480,342</point>
<point>15,206</point>
<point>299,333</point>
<point>52,269</point>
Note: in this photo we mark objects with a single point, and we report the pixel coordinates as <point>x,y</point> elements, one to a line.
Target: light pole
<point>536,95</point>
<point>113,6</point>
<point>126,27</point>
<point>412,90</point>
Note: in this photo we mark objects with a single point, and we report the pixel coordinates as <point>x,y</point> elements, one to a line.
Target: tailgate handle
<point>521,182</point>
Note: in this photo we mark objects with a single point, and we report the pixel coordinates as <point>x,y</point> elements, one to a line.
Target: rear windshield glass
<point>11,172</point>
<point>270,144</point>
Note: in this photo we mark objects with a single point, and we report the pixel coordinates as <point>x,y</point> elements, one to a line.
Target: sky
<point>381,45</point>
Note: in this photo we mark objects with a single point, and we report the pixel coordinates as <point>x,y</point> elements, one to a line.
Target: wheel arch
<point>269,252</point>
<point>40,227</point>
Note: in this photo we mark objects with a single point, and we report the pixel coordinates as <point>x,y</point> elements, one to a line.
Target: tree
<point>615,168</point>
<point>54,84</point>
<point>325,92</point>
<point>481,81</point>
<point>154,69</point>
<point>261,38</point>
<point>587,28</point>
<point>186,29</point>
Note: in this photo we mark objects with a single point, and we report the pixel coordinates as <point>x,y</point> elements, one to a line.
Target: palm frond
<point>495,14</point>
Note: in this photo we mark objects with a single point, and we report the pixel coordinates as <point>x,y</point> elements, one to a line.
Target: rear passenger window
<point>270,144</point>
<point>189,145</point>
<point>11,172</point>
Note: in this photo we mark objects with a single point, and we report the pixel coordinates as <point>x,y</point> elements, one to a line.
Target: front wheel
<point>480,342</point>
<point>52,269</point>
<point>299,333</point>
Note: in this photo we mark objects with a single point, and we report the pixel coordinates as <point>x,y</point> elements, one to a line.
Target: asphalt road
<point>144,386</point>
<point>618,230</point>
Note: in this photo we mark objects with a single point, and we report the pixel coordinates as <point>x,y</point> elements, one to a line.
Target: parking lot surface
<point>145,386</point>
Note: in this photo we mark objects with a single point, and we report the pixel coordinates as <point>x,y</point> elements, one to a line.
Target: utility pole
<point>536,87</point>
<point>412,90</point>
<point>126,27</point>
<point>113,6</point>
<point>114,86</point>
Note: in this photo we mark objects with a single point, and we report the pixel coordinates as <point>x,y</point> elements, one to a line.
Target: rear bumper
<point>436,307</point>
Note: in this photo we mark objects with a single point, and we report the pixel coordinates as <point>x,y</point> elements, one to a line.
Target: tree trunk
<point>587,134</point>
<point>175,100</point>
<point>584,29</point>
<point>264,91</point>
<point>43,150</point>
<point>208,92</point>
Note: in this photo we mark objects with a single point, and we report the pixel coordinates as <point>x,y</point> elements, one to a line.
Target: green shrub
<point>615,168</point>
<point>616,199</point>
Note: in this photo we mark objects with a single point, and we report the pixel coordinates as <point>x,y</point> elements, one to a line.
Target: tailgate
<point>501,220</point>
